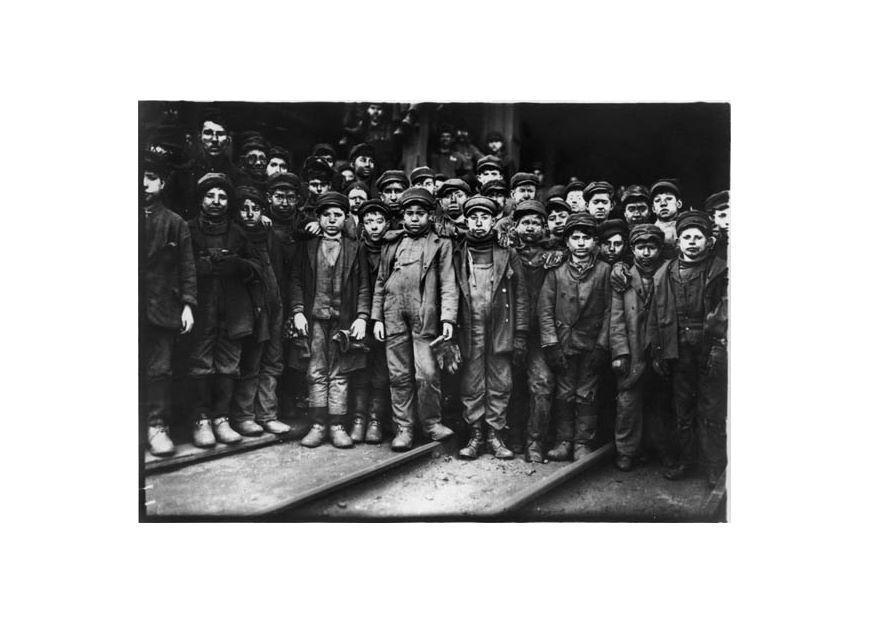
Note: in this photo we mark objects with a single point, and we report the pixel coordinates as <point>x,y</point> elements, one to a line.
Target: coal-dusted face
<point>356,197</point>
<point>255,162</point>
<point>646,252</point>
<point>214,203</point>
<point>331,220</point>
<point>415,218</point>
<point>364,166</point>
<point>283,200</point>
<point>636,213</point>
<point>375,225</point>
<point>556,221</point>
<point>666,206</point>
<point>391,193</point>
<point>612,248</point>
<point>530,228</point>
<point>250,213</point>
<point>317,187</point>
<point>526,191</point>
<point>580,243</point>
<point>480,223</point>
<point>276,165</point>
<point>575,200</point>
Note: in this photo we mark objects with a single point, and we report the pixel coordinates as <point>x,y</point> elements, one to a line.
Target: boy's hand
<point>266,221</point>
<point>301,324</point>
<point>312,228</point>
<point>187,319</point>
<point>620,279</point>
<point>519,351</point>
<point>620,366</point>
<point>660,367</point>
<point>556,359</point>
<point>358,329</point>
<point>379,331</point>
<point>448,331</point>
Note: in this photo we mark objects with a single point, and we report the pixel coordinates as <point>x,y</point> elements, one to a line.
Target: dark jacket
<point>510,300</point>
<point>662,320</point>
<point>629,314</point>
<point>167,269</point>
<point>437,284</point>
<point>240,298</point>
<point>266,248</point>
<point>576,319</point>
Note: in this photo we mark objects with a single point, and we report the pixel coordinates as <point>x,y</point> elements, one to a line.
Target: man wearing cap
<point>212,154</point>
<point>638,386</point>
<point>450,222</point>
<point>529,413</point>
<point>416,299</point>
<point>574,196</point>
<point>488,168</point>
<point>253,160</point>
<point>423,177</point>
<point>370,386</point>
<point>635,200</point>
<point>255,406</point>
<point>666,203</point>
<point>687,326</point>
<point>226,274</point>
<point>599,198</point>
<point>493,321</point>
<point>329,292</point>
<point>574,310</point>
<point>717,208</point>
<point>168,294</point>
<point>445,160</point>
<point>497,147</point>
<point>391,184</point>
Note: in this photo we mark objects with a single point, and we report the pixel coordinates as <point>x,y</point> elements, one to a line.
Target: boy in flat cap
<point>329,292</point>
<point>717,208</point>
<point>253,160</point>
<point>168,293</point>
<point>450,221</point>
<point>225,315</point>
<point>638,385</point>
<point>574,310</point>
<point>599,198</point>
<point>255,407</point>
<point>370,386</point>
<point>493,322</point>
<point>391,184</point>
<point>361,156</point>
<point>423,177</point>
<point>665,196</point>
<point>574,196</point>
<point>523,186</point>
<point>488,168</point>
<point>614,246</point>
<point>687,326</point>
<point>416,299</point>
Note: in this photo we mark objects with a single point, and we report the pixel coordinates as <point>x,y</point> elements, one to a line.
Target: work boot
<point>275,426</point>
<point>586,423</point>
<point>625,463</point>
<point>677,472</point>
<point>248,428</point>
<point>534,452</point>
<point>560,452</point>
<point>438,432</point>
<point>403,440</point>
<point>357,433</point>
<point>475,441</point>
<point>160,443</point>
<point>223,431</point>
<point>496,445</point>
<point>374,434</point>
<point>315,437</point>
<point>202,434</point>
<point>339,437</point>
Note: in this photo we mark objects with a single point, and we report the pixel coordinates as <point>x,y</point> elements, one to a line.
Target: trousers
<point>327,383</point>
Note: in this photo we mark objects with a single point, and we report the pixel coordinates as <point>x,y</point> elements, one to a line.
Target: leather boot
<point>374,434</point>
<point>339,437</point>
<point>534,452</point>
<point>403,440</point>
<point>496,445</point>
<point>223,431</point>
<point>564,447</point>
<point>202,434</point>
<point>562,451</point>
<point>586,422</point>
<point>357,432</point>
<point>438,432</point>
<point>315,437</point>
<point>275,426</point>
<point>475,441</point>
<point>160,443</point>
<point>248,428</point>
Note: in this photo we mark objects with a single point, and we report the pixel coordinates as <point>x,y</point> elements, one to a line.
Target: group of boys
<point>378,296</point>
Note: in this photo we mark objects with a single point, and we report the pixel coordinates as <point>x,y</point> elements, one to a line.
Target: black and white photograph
<point>378,311</point>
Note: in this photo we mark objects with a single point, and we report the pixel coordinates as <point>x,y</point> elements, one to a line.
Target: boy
<point>329,293</point>
<point>614,247</point>
<point>574,310</point>
<point>666,203</point>
<point>361,156</point>
<point>523,186</point>
<point>450,221</point>
<point>253,160</point>
<point>717,207</point>
<point>488,168</point>
<point>635,200</point>
<point>261,361</point>
<point>637,385</point>
<point>493,321</point>
<point>533,386</point>
<point>558,212</point>
<point>416,299</point>
<point>168,293</point>
<point>278,161</point>
<point>370,386</point>
<point>423,177</point>
<point>225,314</point>
<point>687,327</point>
<point>390,184</point>
<point>574,196</point>
<point>599,198</point>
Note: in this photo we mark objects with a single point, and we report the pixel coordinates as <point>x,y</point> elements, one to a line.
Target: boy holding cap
<point>168,293</point>
<point>329,293</point>
<point>687,327</point>
<point>574,310</point>
<point>638,386</point>
<point>416,299</point>
<point>493,321</point>
<point>225,315</point>
<point>665,196</point>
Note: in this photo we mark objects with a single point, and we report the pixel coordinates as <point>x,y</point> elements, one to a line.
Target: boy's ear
<point>680,204</point>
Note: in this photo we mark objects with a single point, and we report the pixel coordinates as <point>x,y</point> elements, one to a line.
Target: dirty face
<point>317,187</point>
<point>692,243</point>
<point>599,205</point>
<point>575,199</point>
<point>646,253</point>
<point>580,243</point>
<point>375,225</point>
<point>250,213</point>
<point>636,213</point>
<point>214,138</point>
<point>612,248</point>
<point>666,206</point>
<point>526,191</point>
<point>214,203</point>
<point>276,165</point>
<point>364,166</point>
<point>391,193</point>
<point>331,220</point>
<point>556,222</point>
<point>480,223</point>
<point>530,228</point>
<point>283,200</point>
<point>415,218</point>
<point>356,197</point>
<point>153,185</point>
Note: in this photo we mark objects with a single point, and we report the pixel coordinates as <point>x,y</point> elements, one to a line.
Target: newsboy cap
<point>580,221</point>
<point>453,184</point>
<point>523,178</point>
<point>361,150</point>
<point>717,201</point>
<point>248,192</point>
<point>529,207</point>
<point>423,172</point>
<point>332,199</point>
<point>417,195</point>
<point>494,185</point>
<point>479,203</point>
<point>556,192</point>
<point>609,228</point>
<point>666,185</point>
<point>374,204</point>
<point>556,204</point>
<point>392,176</point>
<point>280,153</point>
<point>490,161</point>
<point>642,232</point>
<point>283,179</point>
<point>598,187</point>
<point>693,219</point>
<point>215,179</point>
<point>574,186</point>
<point>634,193</point>
<point>317,168</point>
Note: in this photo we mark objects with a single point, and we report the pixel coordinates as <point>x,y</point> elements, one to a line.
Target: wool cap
<point>392,176</point>
<point>666,185</point>
<point>247,191</point>
<point>423,172</point>
<point>597,187</point>
<point>574,186</point>
<point>634,193</point>
<point>490,161</point>
<point>693,219</point>
<point>280,153</point>
<point>480,203</point>
<point>332,199</point>
<point>324,149</point>
<point>361,150</point>
<point>556,192</point>
<point>283,179</point>
<point>717,201</point>
<point>529,207</point>
<point>255,143</point>
<point>609,228</point>
<point>580,221</point>
<point>494,185</point>
<point>417,195</point>
<point>451,185</point>
<point>356,185</point>
<point>215,179</point>
<point>317,168</point>
<point>557,204</point>
<point>641,232</point>
<point>374,204</point>
<point>523,178</point>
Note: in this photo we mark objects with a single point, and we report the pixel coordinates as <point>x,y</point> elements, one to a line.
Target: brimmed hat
<point>598,187</point>
<point>523,178</point>
<point>417,195</point>
<point>717,201</point>
<point>480,203</point>
<point>392,176</point>
<point>693,219</point>
<point>580,221</point>
<point>609,228</point>
<point>332,199</point>
<point>529,207</point>
<point>215,179</point>
<point>666,185</point>
<point>642,232</point>
<point>284,179</point>
<point>423,172</point>
<point>453,184</point>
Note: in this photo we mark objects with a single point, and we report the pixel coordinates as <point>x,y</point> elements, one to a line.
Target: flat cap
<point>523,178</point>
<point>494,136</point>
<point>245,192</point>
<point>556,192</point>
<point>609,228</point>
<point>642,232</point>
<point>332,199</point>
<point>417,195</point>
<point>575,186</point>
<point>580,221</point>
<point>361,150</point>
<point>634,193</point>
<point>490,161</point>
<point>255,143</point>
<point>374,204</point>
<point>529,207</point>
<point>280,153</point>
<point>693,219</point>
<point>423,172</point>
<point>392,176</point>
<point>284,179</point>
<point>156,163</point>
<point>453,184</point>
<point>717,201</point>
<point>557,204</point>
<point>665,185</point>
<point>598,187</point>
<point>356,185</point>
<point>479,203</point>
<point>215,179</point>
<point>494,185</point>
<point>317,168</point>
<point>324,149</point>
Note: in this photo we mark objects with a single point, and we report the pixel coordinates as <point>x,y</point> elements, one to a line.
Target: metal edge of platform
<point>714,508</point>
<point>208,454</point>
